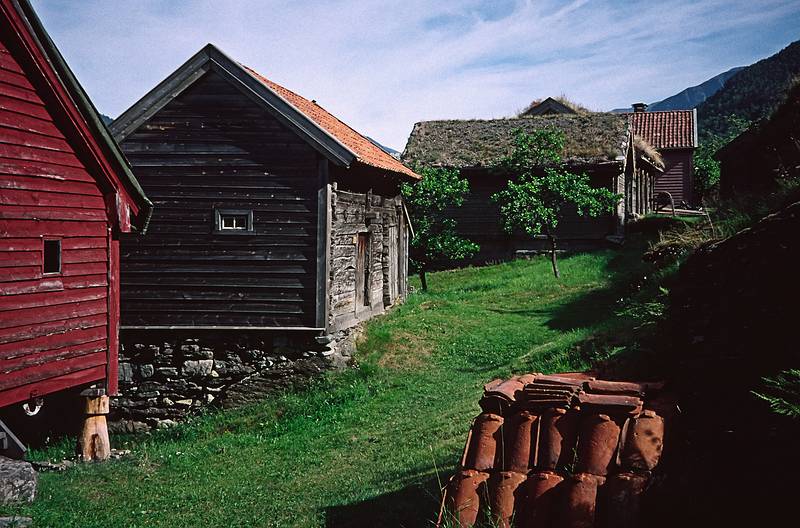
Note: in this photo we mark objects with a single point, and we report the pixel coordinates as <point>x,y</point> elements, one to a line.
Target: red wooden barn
<point>66,193</point>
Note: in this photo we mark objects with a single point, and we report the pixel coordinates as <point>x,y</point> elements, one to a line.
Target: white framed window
<point>233,221</point>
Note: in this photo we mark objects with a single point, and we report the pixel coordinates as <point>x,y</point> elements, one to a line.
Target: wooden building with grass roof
<point>599,144</point>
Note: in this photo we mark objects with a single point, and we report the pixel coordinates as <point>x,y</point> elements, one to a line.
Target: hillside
<point>695,95</point>
<point>692,96</point>
<point>753,93</point>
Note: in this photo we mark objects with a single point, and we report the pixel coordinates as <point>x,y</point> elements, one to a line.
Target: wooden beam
<point>323,244</point>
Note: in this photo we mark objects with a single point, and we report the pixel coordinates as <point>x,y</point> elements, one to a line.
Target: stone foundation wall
<point>165,376</point>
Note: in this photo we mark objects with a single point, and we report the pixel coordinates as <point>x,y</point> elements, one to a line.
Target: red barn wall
<point>54,328</point>
<point>677,176</point>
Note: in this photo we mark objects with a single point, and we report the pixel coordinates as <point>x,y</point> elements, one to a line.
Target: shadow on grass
<point>415,506</point>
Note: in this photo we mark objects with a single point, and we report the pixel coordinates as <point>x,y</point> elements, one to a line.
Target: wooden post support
<point>93,443</point>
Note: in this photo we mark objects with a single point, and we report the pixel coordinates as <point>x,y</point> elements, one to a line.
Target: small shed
<point>66,195</point>
<point>275,224</point>
<point>599,144</point>
<point>674,134</point>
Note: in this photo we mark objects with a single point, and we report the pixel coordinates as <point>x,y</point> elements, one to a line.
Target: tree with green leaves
<point>435,240</point>
<point>542,188</point>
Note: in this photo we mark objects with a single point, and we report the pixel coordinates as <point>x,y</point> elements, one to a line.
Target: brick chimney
<point>639,107</point>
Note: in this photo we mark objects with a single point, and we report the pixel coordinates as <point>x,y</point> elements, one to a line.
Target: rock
<point>146,371</point>
<point>185,403</point>
<point>52,466</point>
<point>125,372</point>
<point>165,424</point>
<point>199,368</point>
<point>127,426</point>
<point>15,522</point>
<point>167,372</point>
<point>17,481</point>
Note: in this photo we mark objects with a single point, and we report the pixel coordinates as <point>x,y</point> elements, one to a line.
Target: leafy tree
<point>706,168</point>
<point>542,188</point>
<point>435,239</point>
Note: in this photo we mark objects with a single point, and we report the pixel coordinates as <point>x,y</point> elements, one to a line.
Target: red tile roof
<point>365,150</point>
<point>670,129</point>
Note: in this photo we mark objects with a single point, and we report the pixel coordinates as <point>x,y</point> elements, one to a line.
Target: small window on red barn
<point>52,256</point>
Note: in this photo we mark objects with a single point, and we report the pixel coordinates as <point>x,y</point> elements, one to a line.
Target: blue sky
<point>381,66</point>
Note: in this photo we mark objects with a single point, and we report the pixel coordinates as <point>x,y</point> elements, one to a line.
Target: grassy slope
<point>363,447</point>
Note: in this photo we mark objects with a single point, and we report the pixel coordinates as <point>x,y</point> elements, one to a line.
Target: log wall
<point>213,148</point>
<point>380,220</point>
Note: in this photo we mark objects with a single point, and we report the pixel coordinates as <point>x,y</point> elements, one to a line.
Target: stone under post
<point>93,442</point>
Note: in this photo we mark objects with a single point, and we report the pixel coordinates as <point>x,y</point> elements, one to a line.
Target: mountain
<point>690,97</point>
<point>389,150</point>
<point>106,120</point>
<point>753,93</point>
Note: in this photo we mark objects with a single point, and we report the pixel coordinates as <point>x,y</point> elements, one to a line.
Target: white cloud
<point>381,66</point>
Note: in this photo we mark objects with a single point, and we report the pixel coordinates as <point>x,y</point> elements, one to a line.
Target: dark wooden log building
<point>270,213</point>
<point>66,195</point>
<point>599,144</point>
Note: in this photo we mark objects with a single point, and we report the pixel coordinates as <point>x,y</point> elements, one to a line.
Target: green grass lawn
<point>365,447</point>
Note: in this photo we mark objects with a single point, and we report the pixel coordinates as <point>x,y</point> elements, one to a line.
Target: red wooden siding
<point>53,328</point>
<point>677,176</point>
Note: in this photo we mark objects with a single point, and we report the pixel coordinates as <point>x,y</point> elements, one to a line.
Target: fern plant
<point>782,393</point>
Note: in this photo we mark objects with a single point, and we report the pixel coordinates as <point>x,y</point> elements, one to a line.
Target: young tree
<point>435,240</point>
<point>541,188</point>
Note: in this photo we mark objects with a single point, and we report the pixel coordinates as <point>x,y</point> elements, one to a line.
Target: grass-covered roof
<point>589,138</point>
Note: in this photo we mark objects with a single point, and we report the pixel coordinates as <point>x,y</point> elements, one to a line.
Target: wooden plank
<point>58,327</point>
<point>23,152</point>
<point>20,273</point>
<point>22,197</point>
<point>27,212</point>
<point>77,256</point>
<point>54,384</point>
<point>7,61</point>
<point>51,284</point>
<point>45,169</point>
<point>11,104</point>
<point>83,268</point>
<point>13,136</point>
<point>51,227</point>
<point>14,364</point>
<point>29,124</point>
<point>51,298</point>
<point>18,92</point>
<point>112,365</point>
<point>36,373</point>
<point>15,79</point>
<point>10,259</point>
<point>70,310</point>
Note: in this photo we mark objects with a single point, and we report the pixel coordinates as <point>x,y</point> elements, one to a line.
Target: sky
<point>382,66</point>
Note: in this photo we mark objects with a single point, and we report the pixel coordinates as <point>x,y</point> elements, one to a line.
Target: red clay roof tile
<point>526,456</point>
<point>365,150</point>
<point>669,129</point>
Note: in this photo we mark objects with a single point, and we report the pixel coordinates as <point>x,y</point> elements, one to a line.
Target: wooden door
<point>393,264</point>
<point>362,270</point>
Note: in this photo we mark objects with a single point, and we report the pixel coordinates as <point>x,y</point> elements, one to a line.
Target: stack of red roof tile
<point>558,451</point>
